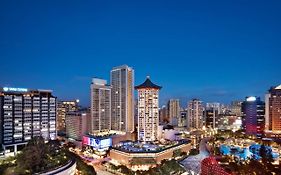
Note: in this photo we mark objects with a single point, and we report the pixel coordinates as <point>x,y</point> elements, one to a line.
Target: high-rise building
<point>183,119</point>
<point>122,98</point>
<point>273,110</point>
<point>215,105</point>
<point>100,106</point>
<point>148,110</point>
<point>195,114</point>
<point>235,108</point>
<point>77,124</point>
<point>253,110</point>
<point>174,111</point>
<point>62,109</point>
<point>211,117</point>
<point>163,115</point>
<point>24,114</point>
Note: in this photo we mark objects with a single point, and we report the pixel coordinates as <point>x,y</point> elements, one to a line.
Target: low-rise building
<point>140,156</point>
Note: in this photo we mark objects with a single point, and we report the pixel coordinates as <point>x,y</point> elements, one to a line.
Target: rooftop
<point>278,87</point>
<point>148,84</point>
<point>139,147</point>
<point>23,90</point>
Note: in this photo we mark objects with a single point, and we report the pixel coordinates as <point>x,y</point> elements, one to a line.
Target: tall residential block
<point>163,115</point>
<point>183,118</point>
<point>195,114</point>
<point>148,110</point>
<point>24,114</point>
<point>122,98</point>
<point>174,111</point>
<point>100,106</point>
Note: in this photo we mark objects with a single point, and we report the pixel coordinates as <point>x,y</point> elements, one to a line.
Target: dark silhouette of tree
<point>32,157</point>
<point>266,155</point>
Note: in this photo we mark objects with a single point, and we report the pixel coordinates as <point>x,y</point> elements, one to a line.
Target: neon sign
<point>6,89</point>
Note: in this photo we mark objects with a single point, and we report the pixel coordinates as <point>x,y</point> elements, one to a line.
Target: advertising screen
<point>97,143</point>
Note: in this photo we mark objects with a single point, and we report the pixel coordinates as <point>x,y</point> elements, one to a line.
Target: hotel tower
<point>148,114</point>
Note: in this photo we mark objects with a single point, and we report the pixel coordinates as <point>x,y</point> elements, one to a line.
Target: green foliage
<point>176,153</point>
<point>6,163</point>
<point>193,152</point>
<point>38,156</point>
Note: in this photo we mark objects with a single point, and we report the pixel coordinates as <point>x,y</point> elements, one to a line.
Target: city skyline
<point>140,87</point>
<point>217,52</point>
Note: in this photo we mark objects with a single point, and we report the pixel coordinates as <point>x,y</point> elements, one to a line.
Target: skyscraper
<point>148,114</point>
<point>273,110</point>
<point>174,111</point>
<point>195,114</point>
<point>26,113</point>
<point>100,106</point>
<point>62,109</point>
<point>253,110</point>
<point>122,98</point>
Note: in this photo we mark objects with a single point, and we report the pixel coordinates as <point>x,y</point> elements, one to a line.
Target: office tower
<point>100,106</point>
<point>253,110</point>
<point>148,114</point>
<point>195,114</point>
<point>77,124</point>
<point>163,115</point>
<point>26,113</point>
<point>62,109</point>
<point>174,111</point>
<point>122,98</point>
<point>183,118</point>
<point>273,110</point>
<point>211,117</point>
<point>235,108</point>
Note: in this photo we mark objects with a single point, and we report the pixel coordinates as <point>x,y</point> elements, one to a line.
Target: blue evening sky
<point>213,50</point>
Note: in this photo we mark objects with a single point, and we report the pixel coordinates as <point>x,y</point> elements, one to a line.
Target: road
<point>96,163</point>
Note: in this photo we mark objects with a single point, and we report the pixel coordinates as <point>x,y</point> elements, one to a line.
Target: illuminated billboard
<point>7,89</point>
<point>98,143</point>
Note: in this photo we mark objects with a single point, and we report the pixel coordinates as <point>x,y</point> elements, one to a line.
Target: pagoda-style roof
<point>148,84</point>
<point>278,87</point>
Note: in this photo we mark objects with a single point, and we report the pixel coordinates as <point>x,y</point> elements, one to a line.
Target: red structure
<point>210,166</point>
